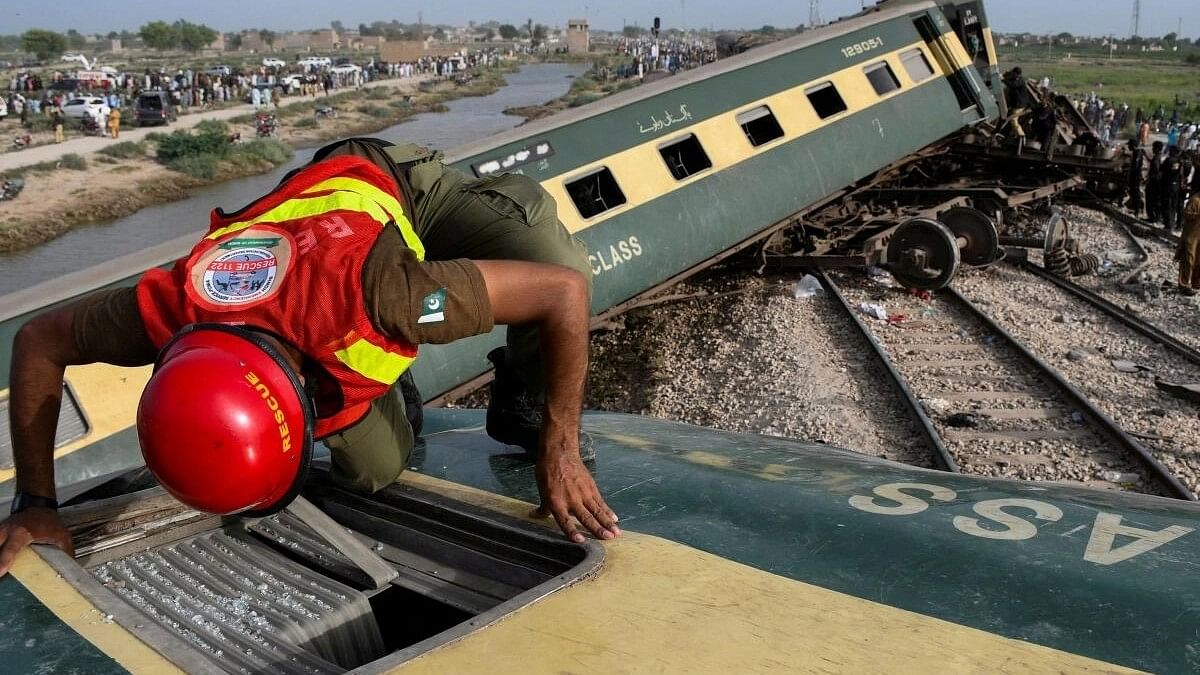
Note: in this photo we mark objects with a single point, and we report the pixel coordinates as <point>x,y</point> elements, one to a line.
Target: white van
<point>315,62</point>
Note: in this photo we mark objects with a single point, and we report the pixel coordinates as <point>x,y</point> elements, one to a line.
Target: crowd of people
<point>29,95</point>
<point>644,56</point>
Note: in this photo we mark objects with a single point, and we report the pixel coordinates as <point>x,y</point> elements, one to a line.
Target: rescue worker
<point>295,319</point>
<point>1154,196</point>
<point>1188,253</point>
<point>1137,166</point>
<point>1019,100</point>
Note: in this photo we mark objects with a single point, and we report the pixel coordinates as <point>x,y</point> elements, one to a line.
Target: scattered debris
<point>963,420</point>
<point>1120,477</point>
<point>808,287</point>
<point>874,311</point>
<point>1128,366</point>
<point>1187,392</point>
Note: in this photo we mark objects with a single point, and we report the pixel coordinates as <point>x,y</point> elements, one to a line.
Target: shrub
<point>305,123</point>
<point>377,111</point>
<point>154,137</point>
<point>1193,59</point>
<point>73,161</point>
<point>209,139</point>
<point>196,166</point>
<point>264,149</point>
<point>379,93</point>
<point>583,98</point>
<point>124,150</point>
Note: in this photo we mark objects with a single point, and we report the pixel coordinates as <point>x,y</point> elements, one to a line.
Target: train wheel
<point>978,240</point>
<point>923,254</point>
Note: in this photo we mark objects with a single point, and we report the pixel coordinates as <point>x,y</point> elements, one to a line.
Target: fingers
<point>563,518</point>
<point>14,540</point>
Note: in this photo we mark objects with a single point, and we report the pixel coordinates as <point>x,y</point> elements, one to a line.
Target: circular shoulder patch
<point>244,269</point>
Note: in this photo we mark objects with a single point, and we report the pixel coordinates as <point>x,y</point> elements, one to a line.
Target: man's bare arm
<point>556,299</point>
<point>42,349</point>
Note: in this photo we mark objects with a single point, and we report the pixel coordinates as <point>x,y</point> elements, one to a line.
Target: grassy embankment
<point>115,182</point>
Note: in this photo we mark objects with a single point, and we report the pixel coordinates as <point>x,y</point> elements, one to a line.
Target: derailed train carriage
<point>746,553</point>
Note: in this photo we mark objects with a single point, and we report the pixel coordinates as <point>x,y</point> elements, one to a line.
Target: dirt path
<point>84,145</point>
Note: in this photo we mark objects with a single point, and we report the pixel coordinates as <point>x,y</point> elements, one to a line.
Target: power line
<point>1136,23</point>
<point>814,13</point>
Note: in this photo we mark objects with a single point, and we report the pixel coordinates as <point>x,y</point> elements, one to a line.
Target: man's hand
<point>31,526</point>
<point>567,490</point>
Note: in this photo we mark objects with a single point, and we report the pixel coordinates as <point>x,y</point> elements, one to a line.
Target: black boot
<point>414,409</point>
<point>514,417</point>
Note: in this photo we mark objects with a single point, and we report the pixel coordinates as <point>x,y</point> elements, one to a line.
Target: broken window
<point>882,78</point>
<point>916,64</point>
<point>685,157</point>
<point>595,193</point>
<point>760,125</point>
<point>825,100</point>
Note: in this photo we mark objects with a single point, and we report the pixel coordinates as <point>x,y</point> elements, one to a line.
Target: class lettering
<point>605,260</point>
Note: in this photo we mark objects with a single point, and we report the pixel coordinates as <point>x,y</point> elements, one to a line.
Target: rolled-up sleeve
<point>423,302</point>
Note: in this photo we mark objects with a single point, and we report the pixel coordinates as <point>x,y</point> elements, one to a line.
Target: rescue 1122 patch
<point>243,270</point>
<point>433,307</point>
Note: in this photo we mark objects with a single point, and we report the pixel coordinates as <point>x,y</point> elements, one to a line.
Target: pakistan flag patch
<point>433,307</point>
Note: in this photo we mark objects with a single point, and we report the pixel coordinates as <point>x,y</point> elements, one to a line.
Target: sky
<point>1085,17</point>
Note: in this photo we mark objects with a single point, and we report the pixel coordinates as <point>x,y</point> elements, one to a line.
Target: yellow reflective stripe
<point>374,362</point>
<point>388,202</point>
<point>302,207</point>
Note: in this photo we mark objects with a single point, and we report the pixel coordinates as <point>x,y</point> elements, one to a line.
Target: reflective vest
<point>291,264</point>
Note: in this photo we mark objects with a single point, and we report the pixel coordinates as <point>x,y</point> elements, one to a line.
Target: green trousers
<point>508,217</point>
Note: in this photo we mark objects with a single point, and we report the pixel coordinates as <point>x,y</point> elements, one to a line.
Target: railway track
<point>996,408</point>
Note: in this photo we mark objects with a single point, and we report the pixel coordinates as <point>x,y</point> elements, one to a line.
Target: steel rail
<point>941,452</point>
<point>1110,308</point>
<point>1105,423</point>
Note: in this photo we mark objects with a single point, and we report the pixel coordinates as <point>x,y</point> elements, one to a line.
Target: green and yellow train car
<point>741,553</point>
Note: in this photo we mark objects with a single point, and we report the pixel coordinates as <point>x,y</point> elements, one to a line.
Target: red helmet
<point>224,423</point>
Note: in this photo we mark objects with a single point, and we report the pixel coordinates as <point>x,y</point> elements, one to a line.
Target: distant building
<point>369,42</point>
<point>407,51</point>
<point>252,42</point>
<point>217,45</point>
<point>112,45</point>
<point>324,40</point>
<point>578,39</point>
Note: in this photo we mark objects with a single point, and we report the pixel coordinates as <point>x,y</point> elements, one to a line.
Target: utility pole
<point>1136,24</point>
<point>814,13</point>
<point>683,15</point>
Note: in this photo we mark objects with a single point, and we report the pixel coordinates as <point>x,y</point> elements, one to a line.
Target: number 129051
<point>862,47</point>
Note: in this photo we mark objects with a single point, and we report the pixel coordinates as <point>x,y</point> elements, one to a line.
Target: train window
<point>595,193</point>
<point>760,125</point>
<point>916,64</point>
<point>882,78</point>
<point>685,157</point>
<point>825,100</point>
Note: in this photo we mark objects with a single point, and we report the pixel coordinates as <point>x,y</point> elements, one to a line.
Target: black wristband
<point>23,501</point>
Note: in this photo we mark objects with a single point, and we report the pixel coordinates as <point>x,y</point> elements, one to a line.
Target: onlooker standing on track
<point>1137,166</point>
<point>1188,254</point>
<point>1172,189</point>
<point>1154,197</point>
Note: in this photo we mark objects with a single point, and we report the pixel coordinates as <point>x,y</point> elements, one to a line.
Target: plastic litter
<point>937,405</point>
<point>874,311</point>
<point>881,277</point>
<point>1120,477</point>
<point>807,287</point>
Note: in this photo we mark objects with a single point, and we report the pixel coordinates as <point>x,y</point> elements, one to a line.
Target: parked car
<point>292,83</point>
<point>345,69</point>
<point>315,62</point>
<point>219,70</point>
<point>85,106</point>
<point>153,107</point>
<point>272,62</point>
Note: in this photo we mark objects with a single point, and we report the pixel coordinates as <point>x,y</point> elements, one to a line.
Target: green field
<point>1140,82</point>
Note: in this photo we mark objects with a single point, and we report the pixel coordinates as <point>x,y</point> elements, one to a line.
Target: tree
<point>193,37</point>
<point>633,31</point>
<point>234,40</point>
<point>338,27</point>
<point>45,44</point>
<point>159,35</point>
<point>268,37</point>
<point>75,40</point>
<point>508,31</point>
<point>1171,38</point>
<point>439,34</point>
<point>1064,36</point>
<point>537,35</point>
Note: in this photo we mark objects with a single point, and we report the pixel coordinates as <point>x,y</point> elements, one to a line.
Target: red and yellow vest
<point>291,264</point>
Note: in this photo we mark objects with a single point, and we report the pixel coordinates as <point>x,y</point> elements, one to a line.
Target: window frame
<point>887,68</point>
<point>817,88</point>
<point>905,57</point>
<point>678,141</point>
<point>741,122</point>
<point>567,183</point>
